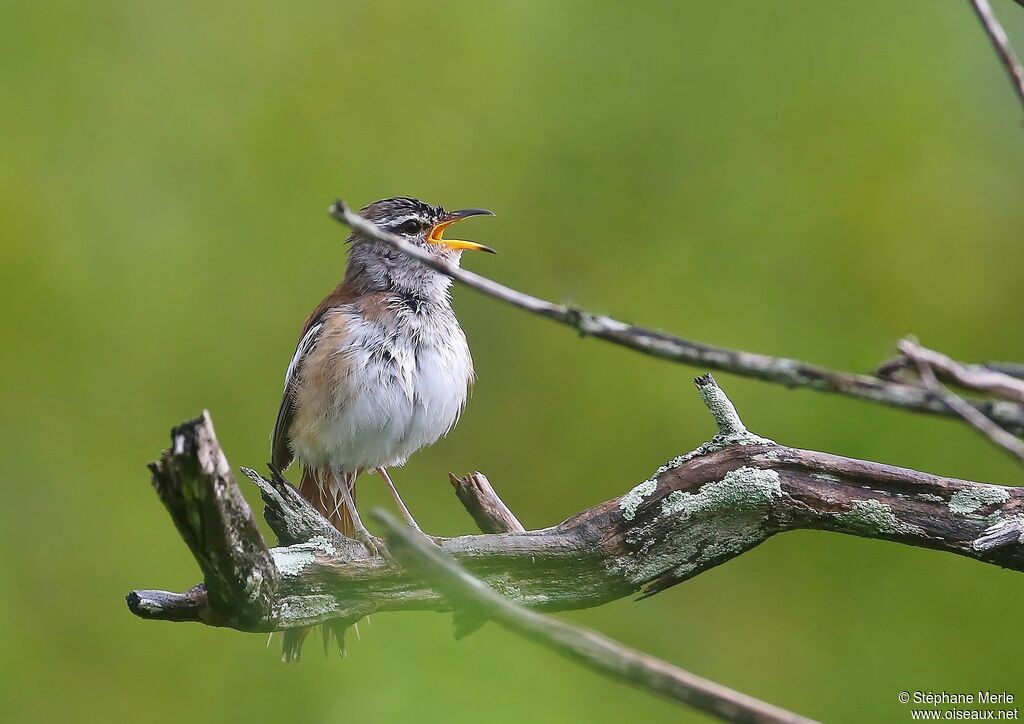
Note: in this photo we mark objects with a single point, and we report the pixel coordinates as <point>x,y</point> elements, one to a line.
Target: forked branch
<point>696,512</point>
<point>931,365</point>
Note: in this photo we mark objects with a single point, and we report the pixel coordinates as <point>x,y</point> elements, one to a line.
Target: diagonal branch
<point>780,370</point>
<point>1011,369</point>
<point>997,36</point>
<point>576,643</point>
<point>979,378</point>
<point>997,435</point>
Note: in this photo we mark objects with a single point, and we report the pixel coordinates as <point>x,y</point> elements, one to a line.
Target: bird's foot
<point>411,522</point>
<point>374,546</point>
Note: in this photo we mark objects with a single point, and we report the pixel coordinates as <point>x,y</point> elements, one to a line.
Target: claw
<point>374,545</point>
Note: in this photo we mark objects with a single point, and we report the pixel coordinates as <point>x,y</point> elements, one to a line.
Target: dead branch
<point>597,652</point>
<point>1001,43</point>
<point>780,370</point>
<point>488,510</point>
<point>990,378</point>
<point>931,366</point>
<point>696,512</point>
<point>1013,369</point>
<point>195,484</point>
<point>997,435</point>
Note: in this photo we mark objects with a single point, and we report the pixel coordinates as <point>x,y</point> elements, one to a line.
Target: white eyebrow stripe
<point>399,220</point>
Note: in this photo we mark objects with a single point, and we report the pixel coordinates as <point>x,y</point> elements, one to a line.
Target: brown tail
<point>320,496</point>
<point>340,517</point>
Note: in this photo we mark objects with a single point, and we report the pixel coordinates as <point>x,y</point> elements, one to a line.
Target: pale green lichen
<point>306,609</point>
<point>721,407</point>
<point>505,586</point>
<point>872,518</point>
<point>291,561</point>
<point>743,489</point>
<point>721,520</point>
<point>632,500</point>
<point>969,500</point>
<point>534,600</point>
<point>718,442</point>
<point>319,541</point>
<point>253,581</point>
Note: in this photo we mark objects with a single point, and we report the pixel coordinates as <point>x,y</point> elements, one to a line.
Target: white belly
<point>404,389</point>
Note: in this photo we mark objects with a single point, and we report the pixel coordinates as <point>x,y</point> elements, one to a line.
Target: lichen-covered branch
<point>195,484</point>
<point>780,370</point>
<point>695,512</point>
<point>576,643</point>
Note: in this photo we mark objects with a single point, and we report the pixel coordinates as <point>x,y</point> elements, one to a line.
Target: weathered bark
<point>985,379</point>
<point>489,512</point>
<point>695,512</point>
<point>195,484</point>
<point>471,597</point>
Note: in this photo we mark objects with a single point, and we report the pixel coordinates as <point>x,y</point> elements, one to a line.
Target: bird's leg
<point>342,482</point>
<point>398,499</point>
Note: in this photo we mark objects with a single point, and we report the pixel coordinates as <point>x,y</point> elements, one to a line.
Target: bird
<point>382,369</point>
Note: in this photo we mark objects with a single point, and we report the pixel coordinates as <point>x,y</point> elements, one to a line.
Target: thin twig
<point>970,377</point>
<point>574,642</point>
<point>780,370</point>
<point>1001,43</point>
<point>1013,369</point>
<point>999,437</point>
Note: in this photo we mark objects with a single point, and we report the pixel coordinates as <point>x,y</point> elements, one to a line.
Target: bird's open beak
<point>436,234</point>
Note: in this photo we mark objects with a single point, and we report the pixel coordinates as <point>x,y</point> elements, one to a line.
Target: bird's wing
<point>281,452</point>
<point>281,455</point>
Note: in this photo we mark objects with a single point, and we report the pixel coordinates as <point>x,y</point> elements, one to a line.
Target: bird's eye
<point>412,226</point>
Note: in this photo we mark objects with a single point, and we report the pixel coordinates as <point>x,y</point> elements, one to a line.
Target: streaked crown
<point>421,223</point>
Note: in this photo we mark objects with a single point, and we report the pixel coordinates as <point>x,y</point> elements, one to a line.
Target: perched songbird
<point>382,367</point>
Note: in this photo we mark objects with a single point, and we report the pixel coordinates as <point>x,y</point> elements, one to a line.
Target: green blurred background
<point>805,179</point>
